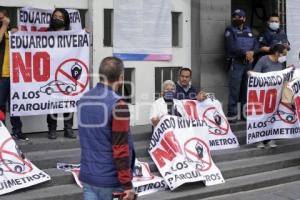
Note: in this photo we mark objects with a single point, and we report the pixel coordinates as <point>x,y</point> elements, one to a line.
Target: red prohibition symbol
<point>63,71</point>
<point>196,150</point>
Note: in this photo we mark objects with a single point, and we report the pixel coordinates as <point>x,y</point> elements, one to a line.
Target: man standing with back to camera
<point>107,151</point>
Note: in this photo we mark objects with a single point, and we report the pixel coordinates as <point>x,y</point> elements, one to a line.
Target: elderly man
<point>107,151</point>
<point>167,104</point>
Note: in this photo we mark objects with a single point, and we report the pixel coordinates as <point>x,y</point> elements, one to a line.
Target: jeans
<point>98,193</point>
<point>52,121</point>
<point>4,98</point>
<point>238,80</point>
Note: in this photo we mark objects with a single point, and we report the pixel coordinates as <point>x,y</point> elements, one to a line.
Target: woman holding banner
<point>60,21</point>
<point>167,104</point>
<point>268,63</point>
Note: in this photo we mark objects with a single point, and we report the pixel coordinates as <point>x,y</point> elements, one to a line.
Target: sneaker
<point>260,145</point>
<point>20,136</point>
<point>272,144</point>
<point>52,134</point>
<point>68,133</point>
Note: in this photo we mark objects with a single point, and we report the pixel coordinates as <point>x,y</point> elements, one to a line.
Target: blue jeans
<point>4,98</point>
<point>238,79</point>
<point>98,193</point>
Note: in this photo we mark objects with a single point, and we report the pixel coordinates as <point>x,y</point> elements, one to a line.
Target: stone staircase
<point>244,169</point>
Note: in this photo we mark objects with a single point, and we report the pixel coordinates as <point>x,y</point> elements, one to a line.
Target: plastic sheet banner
<point>144,182</point>
<point>180,149</point>
<point>49,71</point>
<point>219,133</point>
<point>35,19</point>
<point>16,171</point>
<point>267,117</point>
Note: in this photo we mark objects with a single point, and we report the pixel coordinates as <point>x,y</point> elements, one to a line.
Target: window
<point>162,74</point>
<point>127,89</point>
<point>176,29</point>
<point>108,26</point>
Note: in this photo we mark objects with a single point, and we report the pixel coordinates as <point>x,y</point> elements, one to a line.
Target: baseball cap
<point>239,12</point>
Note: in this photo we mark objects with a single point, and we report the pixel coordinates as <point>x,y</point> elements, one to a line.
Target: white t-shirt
<point>159,108</point>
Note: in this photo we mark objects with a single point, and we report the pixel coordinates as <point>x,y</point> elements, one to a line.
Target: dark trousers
<point>4,98</point>
<point>52,121</point>
<point>238,79</point>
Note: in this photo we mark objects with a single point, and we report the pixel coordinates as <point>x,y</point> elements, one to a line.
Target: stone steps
<point>244,168</point>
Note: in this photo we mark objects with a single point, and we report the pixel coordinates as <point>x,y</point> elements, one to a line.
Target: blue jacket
<point>238,42</point>
<point>97,166</point>
<point>182,94</point>
<point>270,38</point>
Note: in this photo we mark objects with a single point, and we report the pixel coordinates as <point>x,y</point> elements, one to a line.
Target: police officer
<point>273,35</point>
<point>241,45</point>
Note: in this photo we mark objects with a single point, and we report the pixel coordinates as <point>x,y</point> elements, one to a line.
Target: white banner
<point>16,171</point>
<point>267,117</point>
<point>49,71</point>
<point>219,132</point>
<point>144,182</point>
<point>180,149</point>
<point>294,86</point>
<point>35,19</point>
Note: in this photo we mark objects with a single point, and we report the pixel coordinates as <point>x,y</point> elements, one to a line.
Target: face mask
<point>238,22</point>
<point>58,24</point>
<point>282,59</point>
<point>274,26</point>
<point>169,95</point>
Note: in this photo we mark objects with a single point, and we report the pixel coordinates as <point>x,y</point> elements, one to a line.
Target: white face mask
<point>282,59</point>
<point>274,26</point>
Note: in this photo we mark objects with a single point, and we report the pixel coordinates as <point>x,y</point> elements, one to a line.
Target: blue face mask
<point>169,95</point>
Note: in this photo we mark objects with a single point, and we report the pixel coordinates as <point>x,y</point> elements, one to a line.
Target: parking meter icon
<point>76,70</point>
<point>199,149</point>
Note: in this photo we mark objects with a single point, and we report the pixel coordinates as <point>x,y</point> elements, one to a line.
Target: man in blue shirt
<point>241,45</point>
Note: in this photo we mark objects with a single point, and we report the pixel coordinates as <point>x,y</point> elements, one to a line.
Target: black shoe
<point>20,136</point>
<point>52,134</point>
<point>68,133</point>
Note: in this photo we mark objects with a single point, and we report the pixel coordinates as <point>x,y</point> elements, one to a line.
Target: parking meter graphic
<point>138,171</point>
<point>76,71</point>
<point>217,123</point>
<point>199,149</point>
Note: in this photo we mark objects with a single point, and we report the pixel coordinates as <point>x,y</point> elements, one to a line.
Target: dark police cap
<point>239,12</point>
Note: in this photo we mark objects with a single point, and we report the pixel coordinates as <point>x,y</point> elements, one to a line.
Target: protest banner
<point>267,117</point>
<point>16,171</point>
<point>144,182</point>
<point>49,71</point>
<point>219,132</point>
<point>180,149</point>
<point>35,19</point>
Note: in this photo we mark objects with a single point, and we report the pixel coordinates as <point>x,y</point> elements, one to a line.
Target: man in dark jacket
<point>107,151</point>
<point>273,35</point>
<point>184,88</point>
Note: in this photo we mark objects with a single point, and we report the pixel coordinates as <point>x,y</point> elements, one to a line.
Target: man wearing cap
<point>241,45</point>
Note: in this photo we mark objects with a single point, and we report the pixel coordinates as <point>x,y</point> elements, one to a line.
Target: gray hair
<point>168,82</point>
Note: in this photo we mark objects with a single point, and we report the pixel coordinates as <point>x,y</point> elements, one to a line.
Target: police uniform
<point>271,37</point>
<point>238,42</point>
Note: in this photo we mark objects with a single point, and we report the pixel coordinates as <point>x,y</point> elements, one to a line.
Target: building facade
<point>197,40</point>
